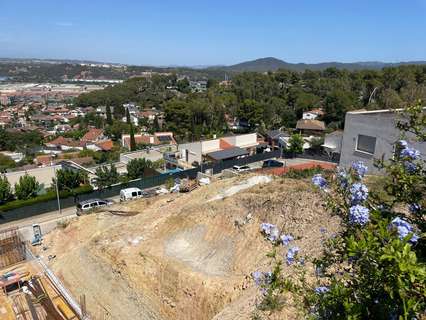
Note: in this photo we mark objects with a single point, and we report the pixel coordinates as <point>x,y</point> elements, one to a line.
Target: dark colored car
<point>272,163</point>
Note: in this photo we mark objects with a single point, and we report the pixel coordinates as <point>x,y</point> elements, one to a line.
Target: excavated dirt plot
<point>183,256</point>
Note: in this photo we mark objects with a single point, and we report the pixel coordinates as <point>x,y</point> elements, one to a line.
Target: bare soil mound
<point>183,256</point>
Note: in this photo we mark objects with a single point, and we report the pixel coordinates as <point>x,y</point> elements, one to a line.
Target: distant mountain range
<point>258,65</point>
<point>53,70</point>
<point>272,64</point>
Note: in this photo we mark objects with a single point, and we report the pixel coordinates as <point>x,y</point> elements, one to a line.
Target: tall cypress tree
<point>108,115</point>
<point>156,125</point>
<point>127,116</point>
<point>132,139</point>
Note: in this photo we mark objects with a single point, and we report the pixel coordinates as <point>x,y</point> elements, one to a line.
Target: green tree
<point>6,162</point>
<point>106,176</point>
<point>5,190</point>
<point>108,115</point>
<point>27,187</point>
<point>296,143</point>
<point>69,179</point>
<point>116,130</point>
<point>128,120</point>
<point>156,125</point>
<point>136,167</point>
<point>183,85</point>
<point>337,103</point>
<point>132,139</point>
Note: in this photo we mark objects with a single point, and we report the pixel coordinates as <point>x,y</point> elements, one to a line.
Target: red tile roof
<point>141,139</point>
<point>61,141</point>
<point>44,159</point>
<point>93,134</point>
<point>225,145</point>
<point>105,145</point>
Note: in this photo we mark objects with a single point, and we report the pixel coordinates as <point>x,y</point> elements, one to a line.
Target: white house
<point>312,114</point>
<point>197,151</point>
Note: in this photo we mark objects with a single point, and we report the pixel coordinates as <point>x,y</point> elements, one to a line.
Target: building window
<point>366,144</point>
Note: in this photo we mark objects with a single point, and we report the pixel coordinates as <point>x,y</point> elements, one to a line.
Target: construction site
<point>183,255</point>
<point>29,290</point>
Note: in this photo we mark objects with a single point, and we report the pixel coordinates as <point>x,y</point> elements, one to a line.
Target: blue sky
<point>206,32</point>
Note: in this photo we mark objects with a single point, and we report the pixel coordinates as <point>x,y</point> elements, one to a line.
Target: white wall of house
<point>191,152</point>
<point>43,175</point>
<point>243,140</point>
<point>370,135</point>
<point>309,116</point>
<point>333,141</point>
<point>93,147</point>
<point>210,145</point>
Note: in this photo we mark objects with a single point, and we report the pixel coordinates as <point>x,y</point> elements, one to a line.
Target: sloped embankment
<point>183,256</point>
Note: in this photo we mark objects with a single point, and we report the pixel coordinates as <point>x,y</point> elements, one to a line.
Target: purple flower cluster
<point>404,229</point>
<point>319,181</point>
<point>291,254</point>
<point>403,144</point>
<point>410,166</point>
<point>360,168</point>
<point>359,193</point>
<point>321,290</point>
<point>270,231</point>
<point>414,208</point>
<point>286,239</point>
<point>359,215</point>
<point>262,279</point>
<point>410,153</point>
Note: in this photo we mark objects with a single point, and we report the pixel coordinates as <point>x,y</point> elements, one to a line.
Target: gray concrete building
<point>370,135</point>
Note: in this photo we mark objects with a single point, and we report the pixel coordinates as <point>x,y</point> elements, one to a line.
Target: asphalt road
<point>47,221</point>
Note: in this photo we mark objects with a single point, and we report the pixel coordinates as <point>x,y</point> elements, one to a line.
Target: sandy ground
<point>184,257</point>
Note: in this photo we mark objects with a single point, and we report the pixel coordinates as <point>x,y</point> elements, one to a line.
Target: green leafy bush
<point>107,176</point>
<point>43,198</point>
<point>136,167</point>
<point>27,187</point>
<point>69,179</point>
<point>296,143</point>
<point>5,190</point>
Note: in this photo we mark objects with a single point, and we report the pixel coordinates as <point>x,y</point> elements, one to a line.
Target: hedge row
<point>45,197</point>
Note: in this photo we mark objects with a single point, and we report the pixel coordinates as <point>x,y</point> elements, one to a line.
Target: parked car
<point>130,193</point>
<point>88,205</point>
<point>241,168</point>
<point>272,163</point>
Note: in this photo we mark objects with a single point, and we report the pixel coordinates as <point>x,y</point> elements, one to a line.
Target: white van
<point>130,193</point>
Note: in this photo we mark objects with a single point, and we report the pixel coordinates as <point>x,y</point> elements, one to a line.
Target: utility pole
<point>57,191</point>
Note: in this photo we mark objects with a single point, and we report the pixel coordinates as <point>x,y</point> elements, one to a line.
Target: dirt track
<point>183,257</point>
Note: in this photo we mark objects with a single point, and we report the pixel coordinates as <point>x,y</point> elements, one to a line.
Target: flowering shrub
<point>359,168</point>
<point>359,193</point>
<point>359,215</point>
<point>404,229</point>
<point>373,269</point>
<point>291,254</point>
<point>286,239</point>
<point>270,231</point>
<point>319,181</point>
